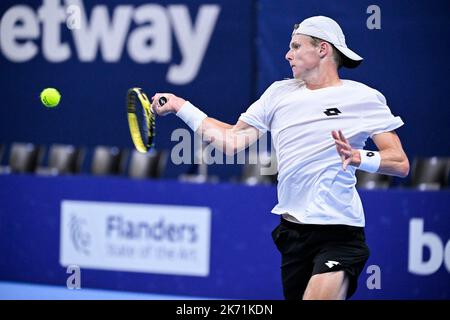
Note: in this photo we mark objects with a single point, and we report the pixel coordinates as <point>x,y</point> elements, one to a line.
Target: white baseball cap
<point>327,29</point>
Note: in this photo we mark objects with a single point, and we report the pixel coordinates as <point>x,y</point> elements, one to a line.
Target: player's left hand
<point>348,155</point>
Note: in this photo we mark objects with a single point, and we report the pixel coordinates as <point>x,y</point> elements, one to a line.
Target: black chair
<point>147,165</point>
<point>261,169</point>
<point>108,160</point>
<point>367,180</point>
<point>430,173</point>
<point>63,159</point>
<point>198,171</point>
<point>24,157</point>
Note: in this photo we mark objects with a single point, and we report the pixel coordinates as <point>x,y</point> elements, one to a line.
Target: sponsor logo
<point>332,112</point>
<point>80,238</point>
<point>145,33</point>
<point>330,264</point>
<point>419,240</point>
<point>136,237</point>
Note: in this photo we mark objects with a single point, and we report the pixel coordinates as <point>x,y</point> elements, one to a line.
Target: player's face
<point>302,55</point>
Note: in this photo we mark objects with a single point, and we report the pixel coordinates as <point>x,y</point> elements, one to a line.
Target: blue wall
<point>406,60</point>
<point>244,262</point>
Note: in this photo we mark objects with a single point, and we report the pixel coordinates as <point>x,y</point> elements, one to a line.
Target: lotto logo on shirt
<point>332,112</point>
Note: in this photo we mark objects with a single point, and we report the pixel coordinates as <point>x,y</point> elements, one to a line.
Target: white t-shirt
<point>312,186</point>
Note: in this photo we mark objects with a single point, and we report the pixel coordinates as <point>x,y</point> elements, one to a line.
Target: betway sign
<point>109,34</point>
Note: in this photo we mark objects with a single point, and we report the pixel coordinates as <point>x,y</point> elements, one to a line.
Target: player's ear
<point>324,48</point>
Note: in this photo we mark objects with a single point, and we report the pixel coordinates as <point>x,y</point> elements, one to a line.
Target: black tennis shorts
<point>309,249</point>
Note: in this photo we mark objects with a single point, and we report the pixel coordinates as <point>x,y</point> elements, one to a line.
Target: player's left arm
<point>393,162</point>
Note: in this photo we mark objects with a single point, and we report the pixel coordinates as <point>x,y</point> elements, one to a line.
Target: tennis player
<point>319,125</point>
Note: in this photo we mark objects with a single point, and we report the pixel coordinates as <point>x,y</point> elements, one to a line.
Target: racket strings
<point>142,122</point>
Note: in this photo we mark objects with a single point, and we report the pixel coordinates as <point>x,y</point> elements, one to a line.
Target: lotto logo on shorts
<point>330,264</point>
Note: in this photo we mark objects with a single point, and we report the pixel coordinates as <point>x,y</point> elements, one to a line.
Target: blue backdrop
<point>244,53</point>
<point>244,263</point>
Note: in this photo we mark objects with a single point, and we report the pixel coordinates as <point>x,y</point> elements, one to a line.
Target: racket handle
<point>162,101</point>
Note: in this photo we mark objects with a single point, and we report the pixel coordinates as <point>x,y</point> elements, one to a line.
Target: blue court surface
<point>26,291</point>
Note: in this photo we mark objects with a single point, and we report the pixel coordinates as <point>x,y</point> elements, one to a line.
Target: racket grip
<point>162,101</point>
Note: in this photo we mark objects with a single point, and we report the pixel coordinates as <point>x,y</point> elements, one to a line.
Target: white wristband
<point>191,115</point>
<point>370,161</point>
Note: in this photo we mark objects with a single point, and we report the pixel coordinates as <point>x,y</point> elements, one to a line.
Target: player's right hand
<point>173,104</point>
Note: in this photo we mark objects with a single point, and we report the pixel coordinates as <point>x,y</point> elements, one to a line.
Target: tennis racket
<point>141,119</point>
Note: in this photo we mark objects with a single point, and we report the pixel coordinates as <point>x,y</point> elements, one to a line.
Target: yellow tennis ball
<point>50,97</point>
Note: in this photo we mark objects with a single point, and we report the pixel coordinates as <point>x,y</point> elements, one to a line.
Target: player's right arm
<point>225,137</point>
